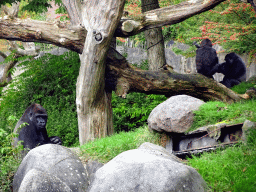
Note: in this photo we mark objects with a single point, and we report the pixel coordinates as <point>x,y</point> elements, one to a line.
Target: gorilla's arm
<point>218,68</point>
<point>197,46</point>
<point>55,140</point>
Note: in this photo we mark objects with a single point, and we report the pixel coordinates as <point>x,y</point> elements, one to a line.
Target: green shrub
<point>9,161</point>
<point>51,82</point>
<point>133,111</point>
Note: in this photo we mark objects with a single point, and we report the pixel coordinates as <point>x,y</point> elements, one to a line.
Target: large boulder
<point>175,114</point>
<point>149,168</point>
<point>50,168</point>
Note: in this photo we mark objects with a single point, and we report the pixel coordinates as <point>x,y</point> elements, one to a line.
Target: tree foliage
<point>231,24</point>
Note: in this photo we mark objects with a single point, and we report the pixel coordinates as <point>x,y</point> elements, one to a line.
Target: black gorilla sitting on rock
<point>34,132</point>
<point>206,58</point>
<point>234,70</point>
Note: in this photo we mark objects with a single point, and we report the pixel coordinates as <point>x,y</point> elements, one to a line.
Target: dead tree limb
<point>123,78</point>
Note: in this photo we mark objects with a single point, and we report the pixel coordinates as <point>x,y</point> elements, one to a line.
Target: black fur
<point>233,69</point>
<point>34,133</point>
<point>206,58</point>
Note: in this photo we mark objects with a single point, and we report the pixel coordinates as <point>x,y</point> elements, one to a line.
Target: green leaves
<point>38,6</point>
<point>133,111</point>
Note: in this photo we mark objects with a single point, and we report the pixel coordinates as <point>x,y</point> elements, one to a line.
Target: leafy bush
<point>133,111</point>
<point>51,82</point>
<point>9,160</point>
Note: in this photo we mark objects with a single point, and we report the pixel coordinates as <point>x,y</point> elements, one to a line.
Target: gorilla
<point>233,69</point>
<point>34,132</point>
<point>206,58</point>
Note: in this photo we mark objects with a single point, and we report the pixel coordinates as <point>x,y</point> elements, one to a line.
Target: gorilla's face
<point>40,121</point>
<point>229,60</point>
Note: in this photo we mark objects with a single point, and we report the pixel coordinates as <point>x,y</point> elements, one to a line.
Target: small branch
<point>3,54</point>
<point>5,75</point>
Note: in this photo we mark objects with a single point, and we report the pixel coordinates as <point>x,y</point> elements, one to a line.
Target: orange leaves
<point>233,37</point>
<point>121,39</point>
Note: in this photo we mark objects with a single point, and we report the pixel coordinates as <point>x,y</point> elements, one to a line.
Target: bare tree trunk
<point>154,39</point>
<point>100,18</point>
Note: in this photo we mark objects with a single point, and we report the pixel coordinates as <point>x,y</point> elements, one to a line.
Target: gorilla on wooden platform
<point>34,132</point>
<point>233,69</point>
<point>206,58</point>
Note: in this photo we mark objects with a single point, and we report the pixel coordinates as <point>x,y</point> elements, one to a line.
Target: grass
<point>107,148</point>
<point>232,169</point>
<point>218,112</point>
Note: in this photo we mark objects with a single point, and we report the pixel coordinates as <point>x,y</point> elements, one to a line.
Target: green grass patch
<point>232,169</point>
<point>243,87</point>
<point>218,112</point>
<point>107,148</point>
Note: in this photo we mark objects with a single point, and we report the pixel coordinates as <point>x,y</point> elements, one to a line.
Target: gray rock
<point>158,151</point>
<point>175,114</point>
<point>143,170</point>
<point>246,127</point>
<point>36,180</point>
<point>91,168</point>
<point>50,167</point>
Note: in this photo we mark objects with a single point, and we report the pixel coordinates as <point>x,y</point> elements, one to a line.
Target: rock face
<point>150,168</point>
<point>50,168</point>
<point>246,127</point>
<point>175,114</point>
<point>91,168</point>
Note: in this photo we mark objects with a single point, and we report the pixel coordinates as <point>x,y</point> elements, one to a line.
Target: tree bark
<point>154,39</point>
<point>100,18</point>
